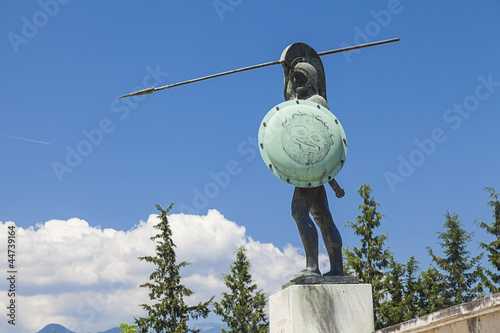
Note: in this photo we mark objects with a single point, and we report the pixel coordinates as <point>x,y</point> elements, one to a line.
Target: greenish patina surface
<point>302,143</point>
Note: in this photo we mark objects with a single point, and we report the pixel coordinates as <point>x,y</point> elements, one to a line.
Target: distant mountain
<point>55,328</point>
<point>51,328</point>
<point>205,328</point>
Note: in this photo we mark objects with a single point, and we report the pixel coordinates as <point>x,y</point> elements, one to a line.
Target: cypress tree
<point>411,285</point>
<point>492,248</point>
<point>401,293</point>
<point>371,259</point>
<point>461,273</point>
<point>170,313</point>
<point>243,308</point>
<point>391,310</point>
<point>431,291</point>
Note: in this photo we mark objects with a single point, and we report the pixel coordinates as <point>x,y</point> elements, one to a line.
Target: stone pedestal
<point>322,308</point>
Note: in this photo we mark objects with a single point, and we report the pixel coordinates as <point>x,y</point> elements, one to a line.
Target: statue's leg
<point>301,204</point>
<point>331,235</point>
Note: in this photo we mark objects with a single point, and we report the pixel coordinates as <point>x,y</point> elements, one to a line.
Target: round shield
<point>302,143</point>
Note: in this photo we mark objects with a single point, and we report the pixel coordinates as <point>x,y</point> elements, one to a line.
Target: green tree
<point>461,274</point>
<point>411,285</point>
<point>492,248</point>
<point>431,291</point>
<point>170,313</point>
<point>391,308</point>
<point>126,328</point>
<point>401,293</point>
<point>243,308</point>
<point>371,259</point>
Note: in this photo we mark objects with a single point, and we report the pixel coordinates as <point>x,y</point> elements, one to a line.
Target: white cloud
<point>87,278</point>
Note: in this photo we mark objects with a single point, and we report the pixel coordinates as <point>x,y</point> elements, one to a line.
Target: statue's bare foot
<point>305,273</point>
<point>334,273</point>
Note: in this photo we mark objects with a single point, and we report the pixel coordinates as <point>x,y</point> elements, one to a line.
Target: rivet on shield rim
<point>336,121</point>
<point>319,107</point>
<point>270,166</point>
<point>277,108</point>
<point>297,101</point>
<point>309,184</point>
<point>329,177</point>
<point>264,124</point>
<point>262,145</point>
<point>288,180</point>
<point>342,161</point>
<point>345,141</point>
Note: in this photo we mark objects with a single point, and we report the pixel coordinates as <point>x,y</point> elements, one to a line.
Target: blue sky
<point>420,115</point>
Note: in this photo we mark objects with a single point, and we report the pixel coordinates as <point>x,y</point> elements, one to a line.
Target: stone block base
<point>322,308</point>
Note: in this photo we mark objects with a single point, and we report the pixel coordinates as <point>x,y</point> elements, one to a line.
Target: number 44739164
<point>11,247</point>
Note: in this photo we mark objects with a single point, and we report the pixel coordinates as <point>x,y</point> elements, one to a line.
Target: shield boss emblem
<point>302,143</point>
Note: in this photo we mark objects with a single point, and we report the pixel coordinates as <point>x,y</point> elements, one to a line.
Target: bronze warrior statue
<point>305,80</point>
<point>304,145</point>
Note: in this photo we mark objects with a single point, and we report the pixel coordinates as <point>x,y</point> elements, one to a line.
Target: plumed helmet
<point>302,53</point>
<point>309,72</point>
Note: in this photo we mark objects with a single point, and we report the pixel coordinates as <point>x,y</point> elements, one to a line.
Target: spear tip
<point>146,91</point>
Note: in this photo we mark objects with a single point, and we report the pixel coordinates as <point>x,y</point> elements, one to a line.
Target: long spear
<point>271,63</point>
